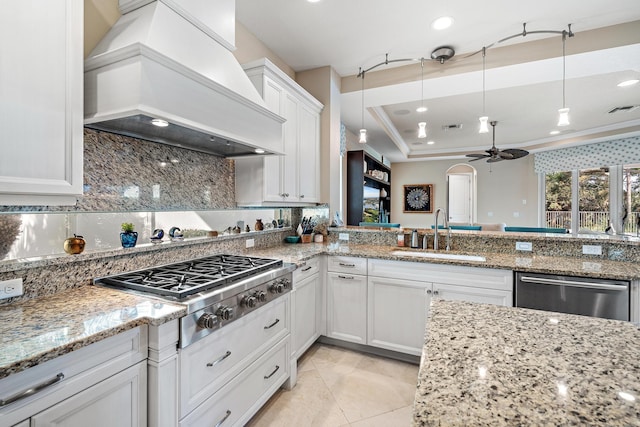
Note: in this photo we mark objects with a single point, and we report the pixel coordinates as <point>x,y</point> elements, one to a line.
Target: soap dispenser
<point>414,239</point>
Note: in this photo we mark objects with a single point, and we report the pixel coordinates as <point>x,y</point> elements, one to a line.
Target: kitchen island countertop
<point>486,365</point>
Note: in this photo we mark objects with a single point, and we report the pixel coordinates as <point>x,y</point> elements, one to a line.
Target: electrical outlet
<point>343,236</point>
<point>10,288</point>
<point>249,243</point>
<point>524,246</point>
<point>591,250</point>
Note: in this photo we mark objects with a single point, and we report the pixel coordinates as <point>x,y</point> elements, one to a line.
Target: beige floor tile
<point>309,403</point>
<point>399,418</point>
<point>401,371</point>
<point>363,394</point>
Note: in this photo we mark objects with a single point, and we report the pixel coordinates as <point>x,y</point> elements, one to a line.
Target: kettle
<point>414,239</point>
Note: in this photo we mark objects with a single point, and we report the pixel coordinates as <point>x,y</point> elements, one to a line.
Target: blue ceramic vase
<point>129,239</point>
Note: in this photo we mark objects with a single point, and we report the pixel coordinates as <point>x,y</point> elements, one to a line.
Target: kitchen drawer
<point>306,269</point>
<point>344,264</point>
<point>81,369</point>
<point>208,364</point>
<point>241,398</point>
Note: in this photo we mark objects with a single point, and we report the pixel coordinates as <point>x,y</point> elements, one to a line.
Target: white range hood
<point>171,60</point>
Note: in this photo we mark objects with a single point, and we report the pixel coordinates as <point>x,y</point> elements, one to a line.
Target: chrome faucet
<point>446,225</point>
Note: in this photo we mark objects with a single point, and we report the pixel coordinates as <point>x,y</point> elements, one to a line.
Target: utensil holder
<point>306,238</point>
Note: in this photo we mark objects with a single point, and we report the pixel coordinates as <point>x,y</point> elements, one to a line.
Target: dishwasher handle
<point>573,283</point>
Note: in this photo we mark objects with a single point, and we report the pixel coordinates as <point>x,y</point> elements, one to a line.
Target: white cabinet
<point>293,177</point>
<point>103,384</point>
<point>117,401</point>
<point>347,299</point>
<point>397,314</point>
<point>306,305</point>
<point>41,95</point>
<point>473,294</point>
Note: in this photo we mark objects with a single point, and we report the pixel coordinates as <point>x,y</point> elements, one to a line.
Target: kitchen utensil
<point>74,245</point>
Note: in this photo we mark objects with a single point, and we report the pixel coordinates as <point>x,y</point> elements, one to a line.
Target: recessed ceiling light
<point>421,109</point>
<point>160,123</point>
<point>628,83</point>
<point>442,23</point>
<point>430,142</point>
<point>259,151</point>
<point>313,1</point>
<point>554,132</point>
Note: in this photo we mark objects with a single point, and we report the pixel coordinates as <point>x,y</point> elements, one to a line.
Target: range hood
<point>167,61</point>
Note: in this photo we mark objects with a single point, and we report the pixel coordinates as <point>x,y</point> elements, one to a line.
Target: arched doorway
<point>462,194</point>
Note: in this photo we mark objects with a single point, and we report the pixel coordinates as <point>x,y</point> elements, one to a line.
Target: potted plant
<point>128,237</point>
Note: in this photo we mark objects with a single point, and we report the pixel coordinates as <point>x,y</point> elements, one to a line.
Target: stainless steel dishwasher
<point>575,295</point>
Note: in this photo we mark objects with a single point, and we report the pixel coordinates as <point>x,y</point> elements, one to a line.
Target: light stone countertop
<point>486,365</point>
<point>40,329</point>
<point>37,330</point>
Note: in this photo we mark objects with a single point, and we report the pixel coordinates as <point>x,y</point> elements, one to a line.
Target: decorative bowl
<point>292,239</point>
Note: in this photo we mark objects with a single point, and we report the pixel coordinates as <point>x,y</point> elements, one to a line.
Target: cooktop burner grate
<point>182,279</point>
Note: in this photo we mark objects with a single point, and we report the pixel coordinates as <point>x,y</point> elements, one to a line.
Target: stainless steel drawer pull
<point>342,264</point>
<point>273,324</point>
<point>603,286</point>
<point>307,269</point>
<point>266,377</point>
<point>31,391</point>
<point>347,277</point>
<point>215,362</point>
<point>219,423</point>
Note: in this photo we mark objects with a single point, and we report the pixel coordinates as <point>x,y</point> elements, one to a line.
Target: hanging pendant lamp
<point>484,120</point>
<point>563,113</point>
<point>422,126</point>
<point>363,131</point>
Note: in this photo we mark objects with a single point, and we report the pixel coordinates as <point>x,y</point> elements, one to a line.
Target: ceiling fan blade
<point>478,158</point>
<point>516,153</point>
<point>505,155</point>
<point>476,155</point>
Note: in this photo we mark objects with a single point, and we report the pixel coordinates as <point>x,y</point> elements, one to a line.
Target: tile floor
<point>338,387</point>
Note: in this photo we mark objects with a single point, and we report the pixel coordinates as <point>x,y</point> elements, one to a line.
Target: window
<point>594,199</point>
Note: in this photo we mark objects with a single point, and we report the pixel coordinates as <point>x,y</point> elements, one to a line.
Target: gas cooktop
<point>182,279</point>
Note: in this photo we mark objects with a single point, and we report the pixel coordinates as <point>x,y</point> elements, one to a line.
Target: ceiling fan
<point>495,155</point>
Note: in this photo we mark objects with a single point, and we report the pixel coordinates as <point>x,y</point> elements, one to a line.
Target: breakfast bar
<point>486,365</point>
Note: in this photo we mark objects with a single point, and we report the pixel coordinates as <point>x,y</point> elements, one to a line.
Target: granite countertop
<point>598,268</point>
<point>487,365</point>
<point>37,330</point>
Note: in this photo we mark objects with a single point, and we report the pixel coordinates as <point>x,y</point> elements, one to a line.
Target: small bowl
<point>292,239</point>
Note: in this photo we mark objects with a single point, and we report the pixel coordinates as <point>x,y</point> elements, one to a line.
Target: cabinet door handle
<point>302,196</point>
<point>347,277</point>
<point>429,292</point>
<point>273,324</point>
<point>307,268</point>
<point>219,423</point>
<point>266,377</point>
<point>436,292</point>
<point>342,264</point>
<point>215,362</point>
<point>31,391</point>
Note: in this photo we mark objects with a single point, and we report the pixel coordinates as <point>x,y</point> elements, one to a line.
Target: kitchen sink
<point>440,255</point>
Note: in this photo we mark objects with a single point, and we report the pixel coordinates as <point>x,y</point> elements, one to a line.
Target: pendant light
<point>484,120</point>
<point>363,131</point>
<point>422,126</point>
<point>563,118</point>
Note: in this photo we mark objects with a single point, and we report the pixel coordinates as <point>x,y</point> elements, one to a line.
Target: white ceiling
<point>523,98</point>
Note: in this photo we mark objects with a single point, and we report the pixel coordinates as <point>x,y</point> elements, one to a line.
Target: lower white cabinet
<point>397,314</point>
<point>347,307</point>
<point>306,302</point>
<point>103,384</point>
<point>117,401</point>
<point>473,294</point>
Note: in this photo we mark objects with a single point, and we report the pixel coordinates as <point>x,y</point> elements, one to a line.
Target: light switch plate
<point>343,236</point>
<point>591,250</point>
<point>10,288</point>
<point>524,246</point>
<point>249,243</point>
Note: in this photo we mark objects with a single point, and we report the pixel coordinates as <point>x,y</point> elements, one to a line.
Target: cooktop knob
<point>286,283</point>
<point>225,313</point>
<point>208,321</point>
<point>249,301</point>
<point>277,288</point>
<point>261,295</point>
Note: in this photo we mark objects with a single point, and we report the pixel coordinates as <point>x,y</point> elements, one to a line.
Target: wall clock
<point>418,198</point>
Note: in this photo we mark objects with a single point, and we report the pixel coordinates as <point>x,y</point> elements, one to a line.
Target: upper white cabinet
<point>294,177</point>
<point>41,92</point>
